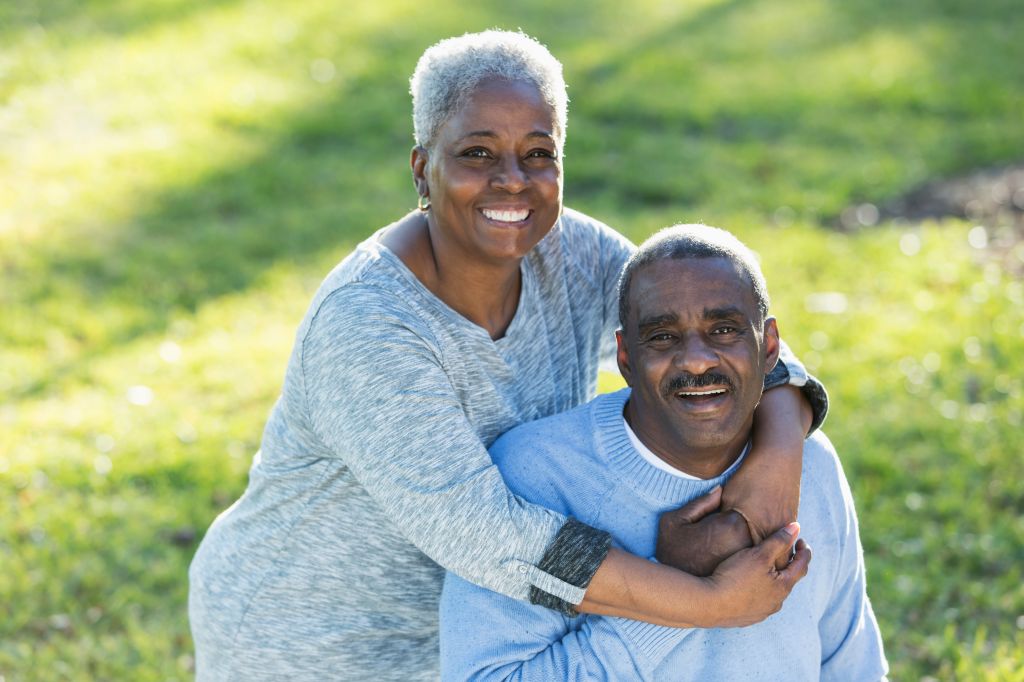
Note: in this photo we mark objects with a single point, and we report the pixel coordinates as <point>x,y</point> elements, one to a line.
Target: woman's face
<point>493,173</point>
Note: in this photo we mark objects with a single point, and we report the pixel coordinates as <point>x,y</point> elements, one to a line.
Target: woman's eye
<point>541,154</point>
<point>476,153</point>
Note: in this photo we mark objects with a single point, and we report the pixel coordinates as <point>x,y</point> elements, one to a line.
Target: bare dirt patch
<point>991,198</point>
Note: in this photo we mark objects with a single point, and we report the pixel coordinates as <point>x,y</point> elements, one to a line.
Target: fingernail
<point>792,529</point>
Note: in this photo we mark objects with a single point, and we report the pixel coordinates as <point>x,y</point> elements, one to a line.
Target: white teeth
<point>506,216</point>
<point>714,391</point>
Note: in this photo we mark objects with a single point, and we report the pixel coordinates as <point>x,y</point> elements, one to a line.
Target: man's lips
<point>506,215</point>
<point>699,389</point>
<point>700,393</point>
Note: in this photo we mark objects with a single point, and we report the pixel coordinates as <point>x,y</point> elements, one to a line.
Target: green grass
<point>176,177</point>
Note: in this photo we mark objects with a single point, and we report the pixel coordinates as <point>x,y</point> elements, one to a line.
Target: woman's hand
<point>747,587</point>
<point>697,537</point>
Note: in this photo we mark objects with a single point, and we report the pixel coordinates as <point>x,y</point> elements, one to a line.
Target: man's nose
<point>695,355</point>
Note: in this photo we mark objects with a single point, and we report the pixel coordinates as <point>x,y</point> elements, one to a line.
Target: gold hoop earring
<point>423,203</point>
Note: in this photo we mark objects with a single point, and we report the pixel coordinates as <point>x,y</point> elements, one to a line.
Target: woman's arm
<point>746,588</point>
<point>764,493</point>
<point>380,400</point>
<point>766,488</point>
<point>521,642</point>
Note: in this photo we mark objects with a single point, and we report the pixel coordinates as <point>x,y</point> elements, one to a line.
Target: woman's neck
<point>486,294</point>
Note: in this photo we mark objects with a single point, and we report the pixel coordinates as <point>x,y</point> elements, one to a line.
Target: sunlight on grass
<point>177,176</point>
<point>105,126</point>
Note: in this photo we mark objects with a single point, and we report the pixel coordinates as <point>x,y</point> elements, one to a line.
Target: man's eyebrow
<point>729,312</point>
<point>655,320</point>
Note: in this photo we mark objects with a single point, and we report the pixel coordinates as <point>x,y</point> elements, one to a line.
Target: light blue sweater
<point>582,463</point>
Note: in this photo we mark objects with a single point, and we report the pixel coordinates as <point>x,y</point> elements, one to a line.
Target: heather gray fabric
<point>377,447</point>
<point>373,466</point>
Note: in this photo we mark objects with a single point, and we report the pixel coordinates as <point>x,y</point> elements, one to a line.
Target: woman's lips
<point>503,215</point>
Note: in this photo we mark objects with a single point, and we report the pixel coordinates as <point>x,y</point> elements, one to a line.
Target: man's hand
<point>747,588</point>
<point>696,537</point>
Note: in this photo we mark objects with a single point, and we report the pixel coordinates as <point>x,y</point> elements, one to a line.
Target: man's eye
<point>541,154</point>
<point>724,329</point>
<point>660,337</point>
<point>476,153</point>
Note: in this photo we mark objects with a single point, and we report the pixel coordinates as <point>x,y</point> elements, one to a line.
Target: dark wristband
<point>573,557</point>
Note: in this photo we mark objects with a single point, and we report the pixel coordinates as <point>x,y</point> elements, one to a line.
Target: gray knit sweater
<point>374,466</point>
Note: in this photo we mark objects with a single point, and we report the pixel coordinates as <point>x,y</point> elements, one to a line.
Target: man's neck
<point>702,463</point>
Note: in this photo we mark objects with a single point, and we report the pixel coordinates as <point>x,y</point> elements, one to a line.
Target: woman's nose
<point>510,176</point>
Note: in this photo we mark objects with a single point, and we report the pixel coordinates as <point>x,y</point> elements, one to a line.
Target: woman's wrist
<point>766,488</point>
<point>630,587</point>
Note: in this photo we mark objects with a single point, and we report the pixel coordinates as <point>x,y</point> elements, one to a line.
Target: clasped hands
<point>699,536</point>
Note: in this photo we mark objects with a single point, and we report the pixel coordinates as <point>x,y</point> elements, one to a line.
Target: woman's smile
<point>493,174</point>
<point>506,216</point>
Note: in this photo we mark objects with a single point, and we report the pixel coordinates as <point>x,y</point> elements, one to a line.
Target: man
<point>695,344</point>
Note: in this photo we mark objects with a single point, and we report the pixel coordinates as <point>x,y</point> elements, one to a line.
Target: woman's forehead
<point>500,102</point>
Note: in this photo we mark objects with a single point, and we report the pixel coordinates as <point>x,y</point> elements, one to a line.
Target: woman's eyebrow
<point>490,133</point>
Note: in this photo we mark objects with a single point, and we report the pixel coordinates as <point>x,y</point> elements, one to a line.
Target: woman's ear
<point>418,163</point>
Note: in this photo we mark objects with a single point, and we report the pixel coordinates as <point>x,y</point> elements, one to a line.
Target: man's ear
<point>622,357</point>
<point>418,163</point>
<point>771,344</point>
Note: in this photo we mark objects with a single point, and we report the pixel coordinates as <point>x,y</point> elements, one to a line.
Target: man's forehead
<point>703,286</point>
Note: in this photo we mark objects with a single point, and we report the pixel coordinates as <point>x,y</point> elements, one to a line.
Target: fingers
<point>778,544</point>
<point>797,568</point>
<point>694,510</point>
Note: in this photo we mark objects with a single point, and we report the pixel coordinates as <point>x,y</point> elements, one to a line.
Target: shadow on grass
<point>771,116</point>
<point>97,18</point>
<point>331,175</point>
<point>326,179</point>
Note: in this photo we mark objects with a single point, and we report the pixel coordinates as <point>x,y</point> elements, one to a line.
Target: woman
<point>487,307</point>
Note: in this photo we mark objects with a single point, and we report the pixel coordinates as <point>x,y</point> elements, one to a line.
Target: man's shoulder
<point>542,459</point>
<point>823,471</point>
<point>545,435</point>
<point>821,462</point>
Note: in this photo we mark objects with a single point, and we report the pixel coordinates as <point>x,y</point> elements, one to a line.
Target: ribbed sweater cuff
<point>573,558</point>
<point>812,389</point>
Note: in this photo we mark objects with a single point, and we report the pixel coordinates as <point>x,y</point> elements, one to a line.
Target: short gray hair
<point>450,70</point>
<point>694,241</point>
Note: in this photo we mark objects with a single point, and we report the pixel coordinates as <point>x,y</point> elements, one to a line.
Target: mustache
<point>687,380</point>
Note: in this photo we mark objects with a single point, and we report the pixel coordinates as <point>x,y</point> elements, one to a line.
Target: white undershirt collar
<point>659,463</point>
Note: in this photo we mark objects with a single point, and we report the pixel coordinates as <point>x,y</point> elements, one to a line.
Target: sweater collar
<point>631,468</point>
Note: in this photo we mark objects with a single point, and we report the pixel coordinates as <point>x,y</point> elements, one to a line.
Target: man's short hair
<point>694,241</point>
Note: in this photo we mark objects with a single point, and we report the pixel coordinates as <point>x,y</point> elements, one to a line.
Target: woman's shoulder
<point>585,247</point>
<point>369,287</point>
<point>578,225</point>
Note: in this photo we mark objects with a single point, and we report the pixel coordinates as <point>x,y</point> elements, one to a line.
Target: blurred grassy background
<point>177,176</point>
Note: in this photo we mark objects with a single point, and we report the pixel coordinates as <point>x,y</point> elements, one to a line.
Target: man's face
<point>695,354</point>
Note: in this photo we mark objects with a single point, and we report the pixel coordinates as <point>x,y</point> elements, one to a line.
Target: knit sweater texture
<point>582,463</point>
<point>373,474</point>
